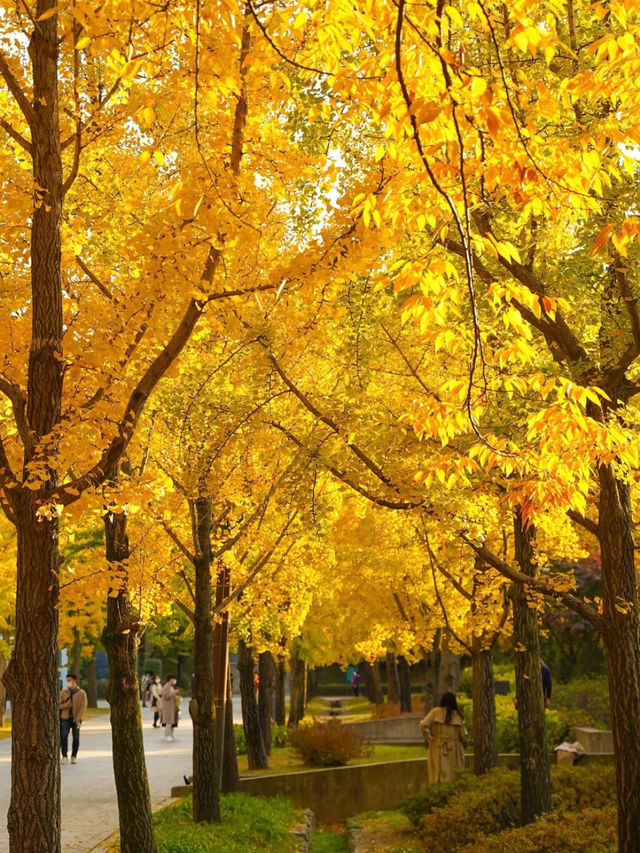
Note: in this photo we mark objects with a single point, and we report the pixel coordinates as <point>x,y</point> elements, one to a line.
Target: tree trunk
<point>432,675</point>
<point>121,637</point>
<point>31,679</point>
<point>77,654</point>
<point>297,669</point>
<point>221,673</point>
<point>3,690</point>
<point>535,782</point>
<point>256,754</point>
<point>266,696</point>
<point>312,683</point>
<point>393,682</point>
<point>485,741</point>
<point>620,636</point>
<point>449,675</point>
<point>280,715</point>
<point>92,685</point>
<point>32,675</point>
<point>404,671</point>
<point>230,775</point>
<point>206,797</point>
<point>374,687</point>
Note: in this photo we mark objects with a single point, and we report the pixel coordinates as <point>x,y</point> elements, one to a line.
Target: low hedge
<point>491,803</point>
<point>588,831</point>
<point>477,811</point>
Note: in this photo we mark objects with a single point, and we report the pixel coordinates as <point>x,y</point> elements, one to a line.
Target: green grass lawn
<point>249,825</point>
<point>5,731</point>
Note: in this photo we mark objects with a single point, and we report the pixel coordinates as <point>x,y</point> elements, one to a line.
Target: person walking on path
<point>444,733</point>
<point>155,691</point>
<point>72,703</point>
<point>547,683</point>
<point>169,698</point>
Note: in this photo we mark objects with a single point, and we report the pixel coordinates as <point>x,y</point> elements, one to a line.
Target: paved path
<point>89,807</point>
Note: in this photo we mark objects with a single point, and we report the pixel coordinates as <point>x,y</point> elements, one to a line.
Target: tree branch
<point>573,602</point>
<point>177,541</point>
<point>341,475</point>
<point>18,399</point>
<point>16,90</point>
<point>16,136</point>
<point>583,521</point>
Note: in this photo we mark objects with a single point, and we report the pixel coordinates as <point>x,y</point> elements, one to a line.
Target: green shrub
<point>490,804</point>
<point>589,831</point>
<point>430,798</point>
<point>279,735</point>
<point>466,681</point>
<point>241,742</point>
<point>476,811</point>
<point>582,787</point>
<point>327,743</point>
<point>587,699</point>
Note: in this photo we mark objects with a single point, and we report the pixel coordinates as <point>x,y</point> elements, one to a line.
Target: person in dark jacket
<point>546,683</point>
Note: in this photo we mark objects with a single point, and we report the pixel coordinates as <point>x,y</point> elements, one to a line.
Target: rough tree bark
<point>393,680</point>
<point>373,683</point>
<point>404,672</point>
<point>230,774</point>
<point>620,637</point>
<point>432,674</point>
<point>281,704</point>
<point>121,637</point>
<point>221,673</point>
<point>32,675</point>
<point>206,797</point>
<point>449,675</point>
<point>92,685</point>
<point>535,781</point>
<point>297,700</point>
<point>256,754</point>
<point>266,696</point>
<point>485,741</point>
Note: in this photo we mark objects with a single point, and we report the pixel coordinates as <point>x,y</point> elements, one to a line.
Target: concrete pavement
<point>89,806</point>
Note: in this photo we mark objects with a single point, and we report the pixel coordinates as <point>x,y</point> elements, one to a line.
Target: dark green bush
<point>327,743</point>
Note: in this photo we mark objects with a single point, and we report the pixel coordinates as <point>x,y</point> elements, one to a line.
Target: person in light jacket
<point>72,704</point>
<point>444,733</point>
<point>169,697</point>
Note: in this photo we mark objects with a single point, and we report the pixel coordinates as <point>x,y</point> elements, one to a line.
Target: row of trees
<point>316,292</point>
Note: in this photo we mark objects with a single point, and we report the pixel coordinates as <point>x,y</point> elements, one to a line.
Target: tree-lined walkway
<point>89,805</point>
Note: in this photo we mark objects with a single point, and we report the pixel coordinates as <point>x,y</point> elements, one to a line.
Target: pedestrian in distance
<point>72,703</point>
<point>355,683</point>
<point>169,695</point>
<point>145,682</point>
<point>547,683</point>
<point>155,691</point>
<point>444,733</point>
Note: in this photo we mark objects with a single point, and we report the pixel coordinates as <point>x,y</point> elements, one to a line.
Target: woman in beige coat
<point>444,733</point>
